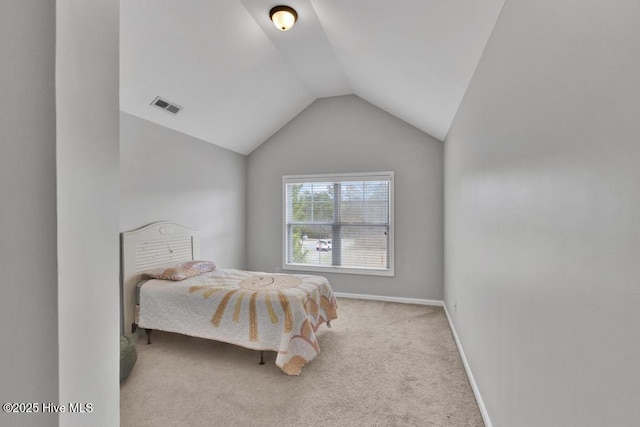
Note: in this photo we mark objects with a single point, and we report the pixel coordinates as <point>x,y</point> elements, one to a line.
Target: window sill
<point>339,270</point>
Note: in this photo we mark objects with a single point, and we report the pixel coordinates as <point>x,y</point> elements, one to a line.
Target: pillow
<point>181,271</point>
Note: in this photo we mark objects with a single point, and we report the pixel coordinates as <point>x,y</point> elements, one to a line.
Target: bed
<point>256,310</point>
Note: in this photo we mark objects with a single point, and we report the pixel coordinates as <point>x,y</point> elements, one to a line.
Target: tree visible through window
<point>340,223</point>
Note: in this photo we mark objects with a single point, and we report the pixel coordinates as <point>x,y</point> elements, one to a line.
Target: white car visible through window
<point>323,245</point>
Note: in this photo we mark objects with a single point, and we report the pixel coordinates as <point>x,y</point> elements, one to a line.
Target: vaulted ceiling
<point>239,79</point>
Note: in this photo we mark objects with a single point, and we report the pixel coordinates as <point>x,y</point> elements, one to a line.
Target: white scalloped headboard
<point>154,245</point>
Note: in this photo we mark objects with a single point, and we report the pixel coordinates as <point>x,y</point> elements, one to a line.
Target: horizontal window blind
<point>339,223</point>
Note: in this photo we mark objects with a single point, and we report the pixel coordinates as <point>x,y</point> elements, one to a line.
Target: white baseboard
<point>467,368</point>
<point>390,299</point>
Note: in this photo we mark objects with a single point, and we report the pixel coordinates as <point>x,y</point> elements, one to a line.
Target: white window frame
<point>340,177</point>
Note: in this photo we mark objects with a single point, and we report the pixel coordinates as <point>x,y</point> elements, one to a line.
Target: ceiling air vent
<point>166,105</point>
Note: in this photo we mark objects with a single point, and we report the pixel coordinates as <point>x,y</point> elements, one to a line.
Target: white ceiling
<point>239,79</point>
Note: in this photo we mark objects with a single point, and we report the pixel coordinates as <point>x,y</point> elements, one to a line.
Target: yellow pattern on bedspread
<point>266,311</point>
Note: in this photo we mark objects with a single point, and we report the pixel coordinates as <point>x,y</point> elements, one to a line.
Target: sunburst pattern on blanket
<point>261,311</point>
<point>260,289</point>
<point>270,283</point>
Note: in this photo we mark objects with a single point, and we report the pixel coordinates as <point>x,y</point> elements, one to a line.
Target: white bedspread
<point>260,311</point>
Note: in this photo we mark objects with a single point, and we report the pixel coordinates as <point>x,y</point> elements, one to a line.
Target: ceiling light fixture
<point>283,17</point>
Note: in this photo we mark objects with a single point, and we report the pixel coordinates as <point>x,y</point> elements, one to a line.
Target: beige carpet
<point>382,364</point>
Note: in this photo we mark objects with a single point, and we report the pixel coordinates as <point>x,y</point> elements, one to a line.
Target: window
<point>339,223</point>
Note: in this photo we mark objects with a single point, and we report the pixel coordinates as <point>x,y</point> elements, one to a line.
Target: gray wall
<point>543,216</point>
<point>167,175</point>
<point>87,115</point>
<point>346,134</point>
<point>28,293</point>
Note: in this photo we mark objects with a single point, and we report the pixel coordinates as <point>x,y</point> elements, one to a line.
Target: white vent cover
<point>166,105</point>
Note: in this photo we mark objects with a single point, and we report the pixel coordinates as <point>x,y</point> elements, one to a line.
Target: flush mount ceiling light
<point>283,17</point>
